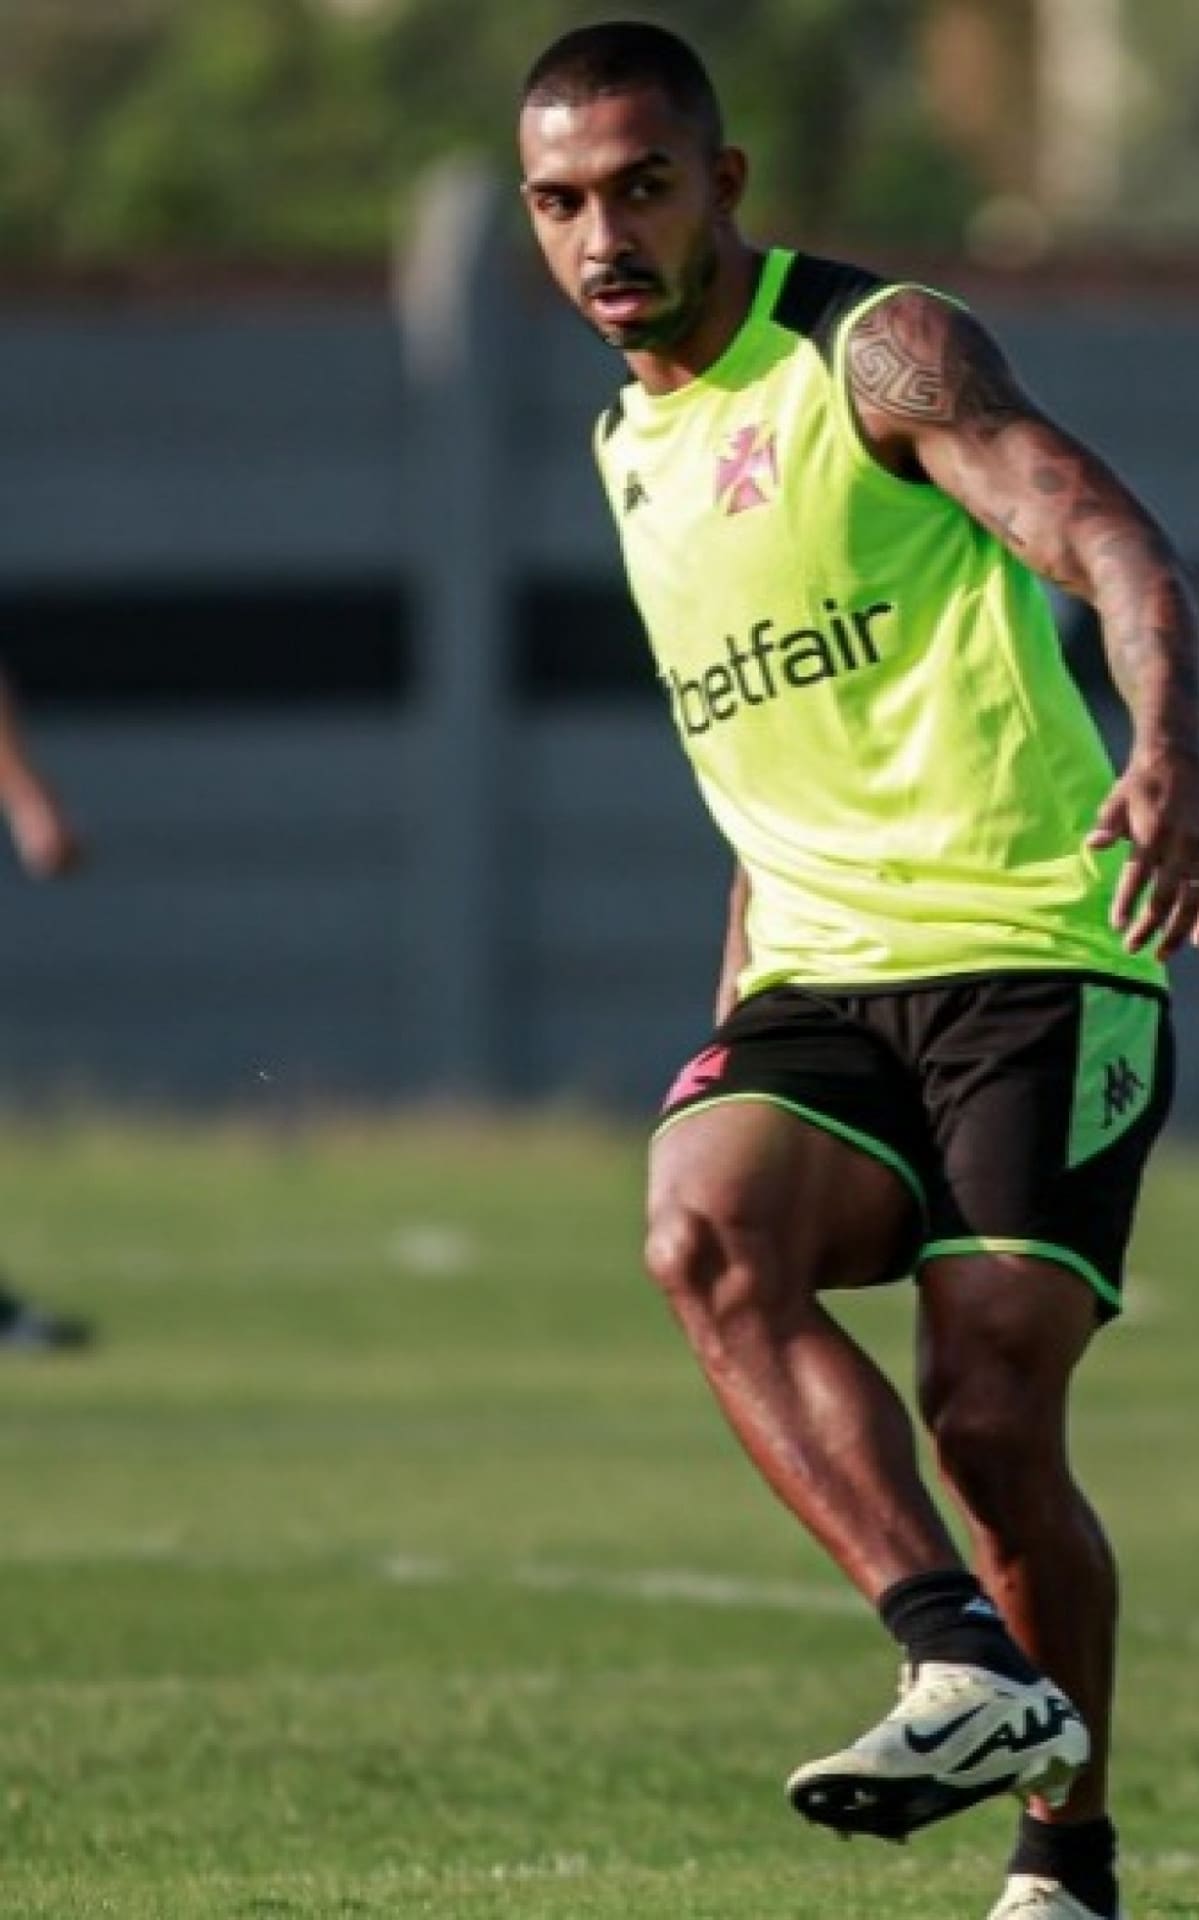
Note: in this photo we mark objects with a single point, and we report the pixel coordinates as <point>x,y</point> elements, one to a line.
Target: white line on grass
<point>656,1586</point>
<point>653,1586</point>
<point>419,1249</point>
<point>432,1250</point>
<point>1176,1864</point>
<point>562,1866</point>
<point>419,1570</point>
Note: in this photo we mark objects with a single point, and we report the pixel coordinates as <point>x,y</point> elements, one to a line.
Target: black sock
<point>1082,1858</point>
<point>947,1616</point>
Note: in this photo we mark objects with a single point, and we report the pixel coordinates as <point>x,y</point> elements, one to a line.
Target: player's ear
<point>730,173</point>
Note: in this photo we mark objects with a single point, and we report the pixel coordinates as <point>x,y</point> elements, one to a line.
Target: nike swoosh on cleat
<point>929,1742</point>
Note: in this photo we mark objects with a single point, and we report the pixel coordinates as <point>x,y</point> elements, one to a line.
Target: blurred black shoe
<point>28,1329</point>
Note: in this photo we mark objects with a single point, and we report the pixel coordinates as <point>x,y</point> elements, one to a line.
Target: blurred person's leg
<point>26,1327</point>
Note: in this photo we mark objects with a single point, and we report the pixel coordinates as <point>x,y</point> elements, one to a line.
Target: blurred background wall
<point>304,574</point>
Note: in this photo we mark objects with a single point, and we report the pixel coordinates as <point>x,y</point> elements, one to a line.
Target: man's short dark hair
<point>621,56</point>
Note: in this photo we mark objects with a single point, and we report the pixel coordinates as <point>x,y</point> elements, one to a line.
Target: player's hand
<point>46,842</point>
<point>1154,806</point>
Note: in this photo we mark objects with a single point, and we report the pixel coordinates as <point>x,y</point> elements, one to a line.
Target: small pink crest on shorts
<point>697,1076</point>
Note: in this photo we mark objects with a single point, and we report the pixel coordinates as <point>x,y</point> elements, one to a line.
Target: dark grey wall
<point>455,889</point>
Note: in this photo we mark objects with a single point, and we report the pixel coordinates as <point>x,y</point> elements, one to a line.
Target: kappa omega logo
<point>768,664</point>
<point>635,494</point>
<point>1122,1087</point>
<point>747,470</point>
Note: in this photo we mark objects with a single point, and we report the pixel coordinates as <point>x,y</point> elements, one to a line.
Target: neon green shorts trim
<point>877,1149</point>
<point>1039,1249</point>
<point>1018,1109</point>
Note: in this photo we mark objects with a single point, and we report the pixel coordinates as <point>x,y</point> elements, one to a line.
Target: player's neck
<point>729,300</point>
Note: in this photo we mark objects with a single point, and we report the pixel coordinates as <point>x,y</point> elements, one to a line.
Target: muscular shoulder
<point>917,363</point>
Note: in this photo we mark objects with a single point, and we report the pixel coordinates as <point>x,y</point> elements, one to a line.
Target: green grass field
<point>387,1557</point>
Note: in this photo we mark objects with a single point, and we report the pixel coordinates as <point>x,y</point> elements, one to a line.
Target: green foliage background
<point>295,129</point>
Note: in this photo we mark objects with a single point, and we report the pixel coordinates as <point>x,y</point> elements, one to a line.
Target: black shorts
<point>1018,1109</point>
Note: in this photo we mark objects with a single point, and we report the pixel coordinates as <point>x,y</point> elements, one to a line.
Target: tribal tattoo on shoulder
<point>925,375</point>
<point>920,359</point>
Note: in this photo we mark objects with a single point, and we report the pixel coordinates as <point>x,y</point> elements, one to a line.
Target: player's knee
<point>698,1257</point>
<point>677,1249</point>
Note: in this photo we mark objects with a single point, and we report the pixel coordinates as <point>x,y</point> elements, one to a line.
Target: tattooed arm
<point>936,401</point>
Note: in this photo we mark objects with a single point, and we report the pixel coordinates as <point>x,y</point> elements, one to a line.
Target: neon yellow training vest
<point>869,686</point>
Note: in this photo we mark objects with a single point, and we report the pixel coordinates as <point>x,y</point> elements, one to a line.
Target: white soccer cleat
<point>1027,1896</point>
<point>958,1735</point>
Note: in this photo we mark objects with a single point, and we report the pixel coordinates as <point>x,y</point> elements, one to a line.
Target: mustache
<point>620,280</point>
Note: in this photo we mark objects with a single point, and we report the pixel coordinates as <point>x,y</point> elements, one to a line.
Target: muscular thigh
<point>798,1131</point>
<point>830,1214</point>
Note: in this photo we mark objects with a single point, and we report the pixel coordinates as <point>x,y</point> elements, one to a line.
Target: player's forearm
<point>1150,626</point>
<point>1075,522</point>
<point>1072,520</point>
<point>1064,512</point>
<point>736,945</point>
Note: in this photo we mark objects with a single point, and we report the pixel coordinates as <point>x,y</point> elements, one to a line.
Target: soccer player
<point>943,1040</point>
<point>47,846</point>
